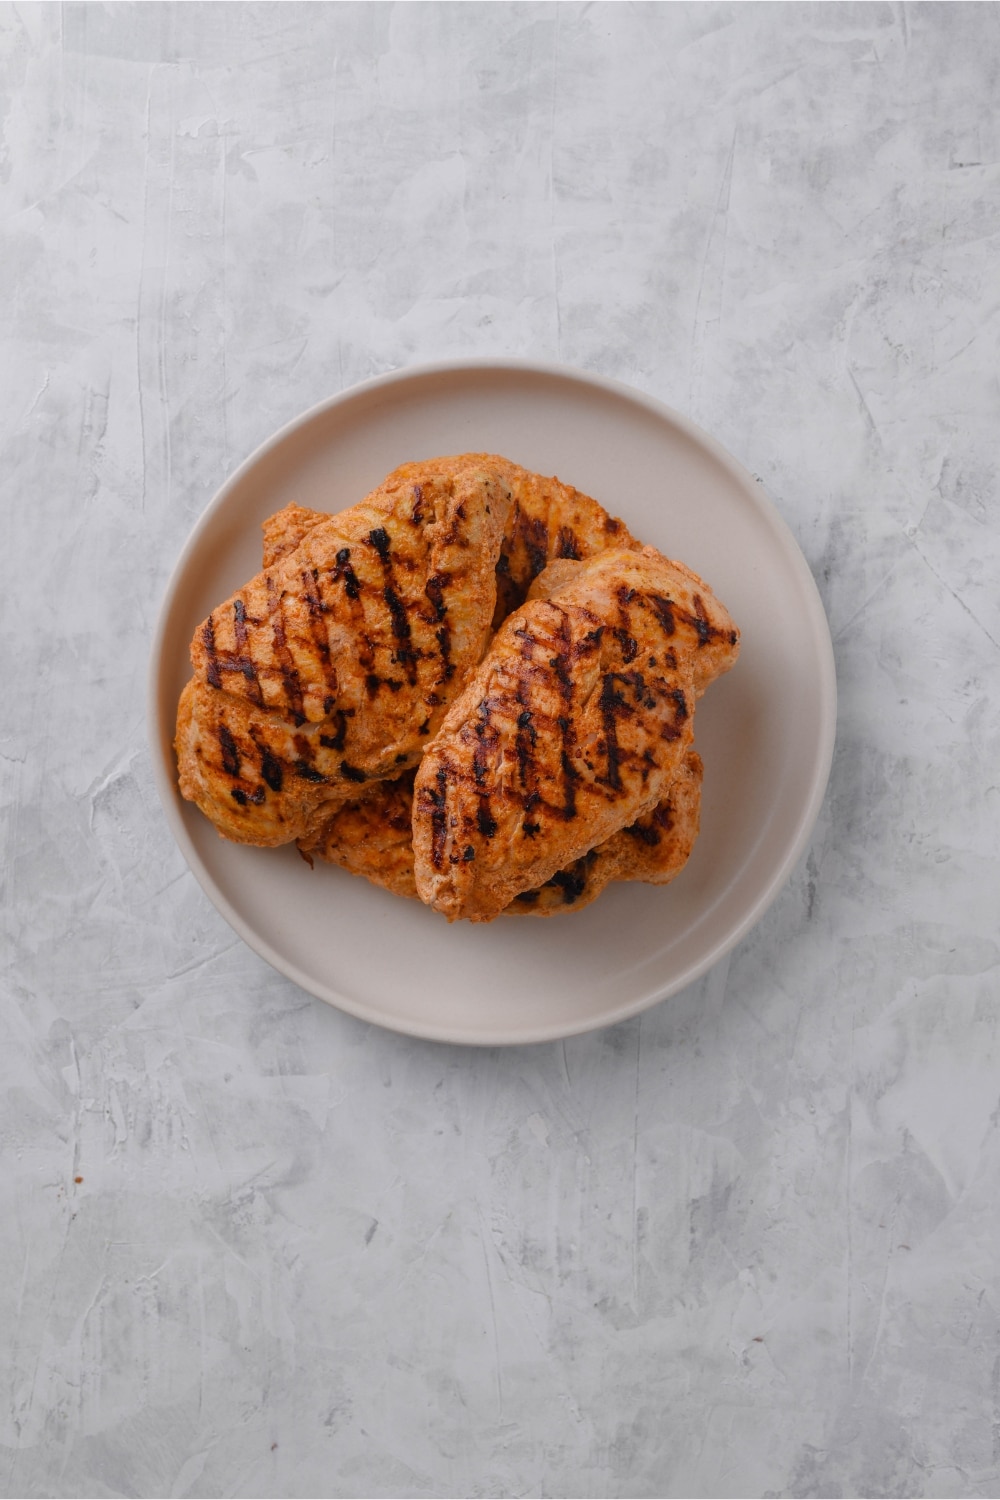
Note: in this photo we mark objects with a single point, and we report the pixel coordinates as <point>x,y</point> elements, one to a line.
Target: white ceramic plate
<point>765,731</point>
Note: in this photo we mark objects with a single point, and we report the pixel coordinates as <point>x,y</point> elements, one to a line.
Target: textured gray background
<point>746,1245</point>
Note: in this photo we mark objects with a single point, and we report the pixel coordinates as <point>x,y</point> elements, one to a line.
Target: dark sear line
<point>664,611</point>
<point>614,707</point>
<point>336,741</point>
<point>436,803</point>
<point>245,799</point>
<point>668,612</point>
<point>486,739</point>
<point>308,772</point>
<point>644,834</point>
<point>673,731</point>
<point>572,882</point>
<point>535,535</point>
<point>626,640</point>
<point>701,622</point>
<point>525,740</point>
<point>417,513</point>
<point>434,590</point>
<point>567,544</point>
<point>561,663</point>
<point>286,662</point>
<point>243,657</point>
<point>405,653</point>
<point>344,573</point>
<point>208,641</point>
<point>230,753</point>
<point>271,769</point>
<point>398,618</point>
<point>320,639</point>
<point>228,661</point>
<point>612,703</point>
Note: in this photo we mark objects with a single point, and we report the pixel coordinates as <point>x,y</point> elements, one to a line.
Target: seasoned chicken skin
<point>575,725</point>
<point>336,663</point>
<point>285,530</point>
<point>372,837</point>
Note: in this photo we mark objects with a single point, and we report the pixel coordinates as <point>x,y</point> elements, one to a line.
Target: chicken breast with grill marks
<point>372,837</point>
<point>547,520</point>
<point>576,725</point>
<point>335,664</point>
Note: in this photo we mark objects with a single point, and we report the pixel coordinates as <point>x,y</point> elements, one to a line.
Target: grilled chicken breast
<point>372,836</point>
<point>335,664</point>
<point>575,725</point>
<point>547,520</point>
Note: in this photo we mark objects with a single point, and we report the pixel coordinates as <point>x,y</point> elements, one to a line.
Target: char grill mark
<point>434,590</point>
<point>623,632</point>
<point>417,513</point>
<point>561,663</point>
<point>612,703</point>
<point>230,753</point>
<point>701,622</point>
<point>664,611</point>
<point>643,833</point>
<point>668,612</point>
<point>525,740</point>
<point>336,741</point>
<point>398,619</point>
<point>247,799</point>
<point>228,661</point>
<point>243,658</point>
<point>270,769</point>
<point>614,707</point>
<point>486,738</point>
<point>208,641</point>
<point>567,544</point>
<point>572,883</point>
<point>286,662</point>
<point>535,535</point>
<point>308,772</point>
<point>344,572</point>
<point>317,628</point>
<point>673,731</point>
<point>405,653</point>
<point>436,803</point>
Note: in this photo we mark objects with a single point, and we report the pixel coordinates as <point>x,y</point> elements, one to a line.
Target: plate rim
<point>753,491</point>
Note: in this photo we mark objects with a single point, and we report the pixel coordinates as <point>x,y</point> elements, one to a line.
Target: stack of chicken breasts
<point>475,688</point>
